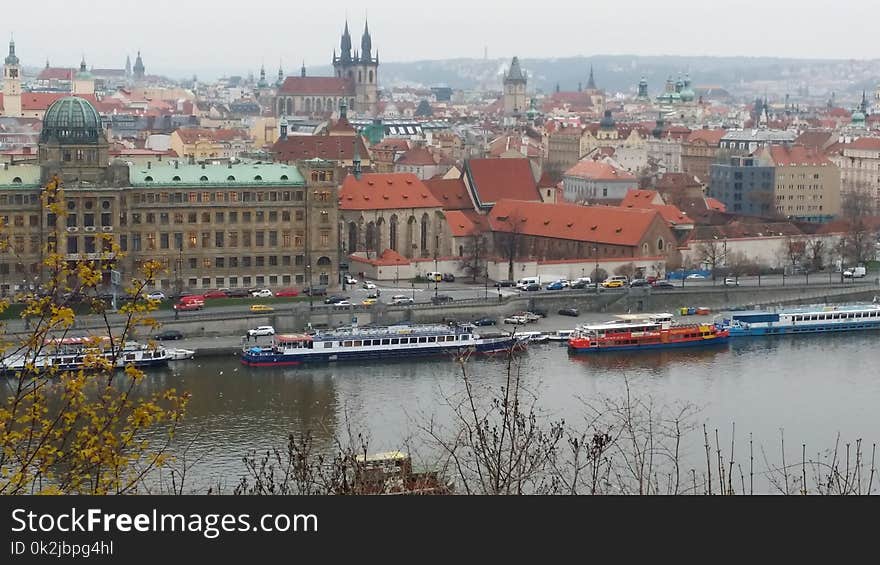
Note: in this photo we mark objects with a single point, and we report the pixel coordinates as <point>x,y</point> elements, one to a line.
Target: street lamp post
<point>436,267</point>
<point>596,273</point>
<point>311,288</point>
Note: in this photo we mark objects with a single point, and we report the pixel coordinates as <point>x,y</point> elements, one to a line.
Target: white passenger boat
<point>180,354</point>
<point>809,319</point>
<point>74,353</point>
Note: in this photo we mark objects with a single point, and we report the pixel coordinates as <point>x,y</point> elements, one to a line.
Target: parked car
<point>261,331</point>
<point>168,334</point>
<point>287,293</point>
<point>532,287</point>
<point>731,281</point>
<point>448,277</point>
<point>344,303</point>
<point>613,283</point>
<point>238,293</point>
<point>261,308</point>
<point>639,282</point>
<point>696,277</point>
<point>855,273</point>
<point>556,285</point>
<point>569,312</point>
<point>262,293</point>
<point>580,284</point>
<point>315,291</point>
<point>539,312</point>
<point>505,284</point>
<point>441,299</point>
<point>369,285</point>
<point>216,294</point>
<point>156,295</point>
<point>335,299</point>
<point>484,322</point>
<point>369,301</point>
<point>529,316</point>
<point>401,299</point>
<point>515,320</point>
<point>660,285</point>
<point>375,294</point>
<point>350,279</point>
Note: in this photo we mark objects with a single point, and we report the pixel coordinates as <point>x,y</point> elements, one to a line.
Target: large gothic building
<point>356,83</point>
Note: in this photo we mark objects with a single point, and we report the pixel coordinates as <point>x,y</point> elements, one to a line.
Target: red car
<point>216,294</point>
<point>187,306</point>
<point>290,292</point>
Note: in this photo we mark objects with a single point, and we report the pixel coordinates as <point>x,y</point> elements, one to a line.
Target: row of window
<point>231,217</point>
<point>835,316</point>
<point>205,283</point>
<point>396,341</point>
<point>217,240</point>
<point>226,196</point>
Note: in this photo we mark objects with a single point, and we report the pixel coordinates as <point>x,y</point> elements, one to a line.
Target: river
<point>813,387</point>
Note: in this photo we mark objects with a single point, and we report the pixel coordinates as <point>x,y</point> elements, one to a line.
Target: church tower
<point>83,82</point>
<point>514,90</point>
<point>362,69</point>
<point>12,84</point>
<point>139,70</point>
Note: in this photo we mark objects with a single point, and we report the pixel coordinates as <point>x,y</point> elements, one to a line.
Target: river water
<point>812,387</point>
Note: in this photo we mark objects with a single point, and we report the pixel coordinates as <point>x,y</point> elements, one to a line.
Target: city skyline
<point>177,39</point>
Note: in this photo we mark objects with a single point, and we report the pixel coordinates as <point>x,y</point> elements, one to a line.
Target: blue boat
<point>811,319</point>
<point>392,342</point>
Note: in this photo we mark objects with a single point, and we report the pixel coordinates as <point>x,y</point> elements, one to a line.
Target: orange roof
<point>715,204</point>
<point>42,100</point>
<point>793,156</point>
<point>497,179</point>
<point>866,143</point>
<point>392,144</point>
<point>387,191</point>
<point>651,200</point>
<point>328,147</point>
<point>451,193</point>
<point>600,224</point>
<point>463,223</point>
<point>56,73</point>
<point>708,136</point>
<point>597,170</point>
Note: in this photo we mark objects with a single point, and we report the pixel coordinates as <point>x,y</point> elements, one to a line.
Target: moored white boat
<point>180,354</point>
<point>532,337</point>
<point>74,353</point>
<point>560,335</point>
<point>808,319</point>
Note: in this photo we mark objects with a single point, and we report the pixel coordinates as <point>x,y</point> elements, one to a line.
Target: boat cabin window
<point>395,341</point>
<point>466,336</point>
<point>346,344</point>
<point>328,344</point>
<point>450,338</point>
<point>357,343</point>
<point>386,342</point>
<point>432,339</point>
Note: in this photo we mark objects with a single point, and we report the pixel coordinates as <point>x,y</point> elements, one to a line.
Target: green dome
<point>71,120</point>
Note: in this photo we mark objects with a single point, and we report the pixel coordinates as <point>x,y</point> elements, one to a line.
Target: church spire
<point>591,82</point>
<point>12,58</point>
<point>302,71</point>
<point>345,44</point>
<point>366,43</point>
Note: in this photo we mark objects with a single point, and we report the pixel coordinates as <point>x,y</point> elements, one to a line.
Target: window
<point>273,239</point>
<point>300,215</point>
<point>285,239</point>
<point>246,239</point>
<point>260,261</point>
<point>164,241</point>
<point>259,238</point>
<point>193,239</point>
<point>206,239</point>
<point>192,218</point>
<point>233,264</point>
<point>135,242</point>
<point>260,216</point>
<point>285,216</point>
<point>218,217</point>
<point>233,239</point>
<point>219,262</point>
<point>219,239</point>
<point>245,261</point>
<point>163,218</point>
<point>246,217</point>
<point>206,217</point>
<point>233,217</point>
<point>273,216</point>
<point>178,217</point>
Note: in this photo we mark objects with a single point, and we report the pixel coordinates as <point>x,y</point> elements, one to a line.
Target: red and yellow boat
<point>656,331</point>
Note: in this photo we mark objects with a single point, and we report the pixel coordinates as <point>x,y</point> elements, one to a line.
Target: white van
<point>434,276</point>
<point>523,283</point>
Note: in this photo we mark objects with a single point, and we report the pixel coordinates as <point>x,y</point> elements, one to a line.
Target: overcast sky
<point>215,37</point>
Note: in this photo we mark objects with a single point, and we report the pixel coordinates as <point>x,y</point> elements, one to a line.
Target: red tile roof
<point>329,86</point>
<point>814,139</point>
<point>417,157</point>
<point>388,191</point>
<point>600,224</point>
<point>56,73</point>
<point>192,135</point>
<point>392,144</point>
<point>711,137</point>
<point>451,193</point>
<point>794,156</point>
<point>651,200</point>
<point>715,204</point>
<point>597,170</point>
<point>864,143</point>
<point>463,223</point>
<point>37,101</point>
<point>497,179</point>
<point>330,148</point>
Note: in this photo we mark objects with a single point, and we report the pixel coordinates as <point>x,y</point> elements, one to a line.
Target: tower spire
<point>591,82</point>
<point>356,159</point>
<point>302,71</point>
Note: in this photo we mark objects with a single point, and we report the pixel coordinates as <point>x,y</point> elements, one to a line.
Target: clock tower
<point>12,84</point>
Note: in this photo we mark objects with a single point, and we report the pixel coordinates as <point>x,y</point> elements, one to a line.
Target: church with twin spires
<point>355,84</point>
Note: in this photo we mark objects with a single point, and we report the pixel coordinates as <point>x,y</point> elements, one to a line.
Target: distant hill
<point>621,73</point>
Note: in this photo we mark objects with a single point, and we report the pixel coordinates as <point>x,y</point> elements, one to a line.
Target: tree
<point>473,259</point>
<point>510,240</point>
<point>713,253</point>
<point>794,250</point>
<point>81,431</point>
<point>816,251</point>
<point>858,243</point>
